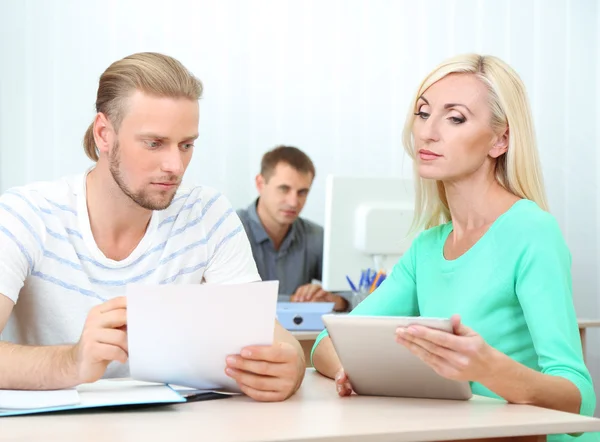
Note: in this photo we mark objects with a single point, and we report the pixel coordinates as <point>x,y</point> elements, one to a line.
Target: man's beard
<point>141,198</point>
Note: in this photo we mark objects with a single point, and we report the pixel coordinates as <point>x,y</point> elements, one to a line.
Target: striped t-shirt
<point>52,269</point>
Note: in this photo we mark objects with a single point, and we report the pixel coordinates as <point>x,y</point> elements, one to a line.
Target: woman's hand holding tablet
<point>461,356</point>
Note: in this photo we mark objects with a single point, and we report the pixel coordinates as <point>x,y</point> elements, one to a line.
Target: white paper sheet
<point>107,392</point>
<point>181,334</point>
<point>26,399</point>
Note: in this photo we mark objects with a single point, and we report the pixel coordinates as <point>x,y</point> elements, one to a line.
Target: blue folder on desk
<point>103,394</point>
<point>303,316</point>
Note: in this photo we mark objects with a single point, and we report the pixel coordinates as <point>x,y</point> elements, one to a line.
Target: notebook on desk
<point>101,394</point>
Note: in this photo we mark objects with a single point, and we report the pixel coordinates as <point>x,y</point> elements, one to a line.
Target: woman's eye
<point>457,120</point>
<point>422,115</point>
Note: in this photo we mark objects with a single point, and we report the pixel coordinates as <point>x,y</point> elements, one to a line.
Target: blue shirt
<point>299,259</point>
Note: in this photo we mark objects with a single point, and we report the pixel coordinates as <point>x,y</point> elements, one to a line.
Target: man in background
<point>285,246</point>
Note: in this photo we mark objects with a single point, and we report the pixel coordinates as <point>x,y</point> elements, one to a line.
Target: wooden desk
<point>315,413</point>
<point>307,339</point>
<point>584,324</point>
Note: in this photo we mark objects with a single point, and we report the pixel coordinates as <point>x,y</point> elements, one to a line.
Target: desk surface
<point>585,323</point>
<point>306,335</point>
<point>314,413</point>
<point>312,335</point>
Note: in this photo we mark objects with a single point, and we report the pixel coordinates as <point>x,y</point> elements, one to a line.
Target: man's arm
<point>22,237</point>
<point>63,366</point>
<point>269,373</point>
<point>33,368</point>
<point>316,293</point>
<point>283,335</point>
<point>22,245</point>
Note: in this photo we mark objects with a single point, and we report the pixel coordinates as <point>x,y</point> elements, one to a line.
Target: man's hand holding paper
<point>267,373</point>
<point>103,340</point>
<point>190,335</point>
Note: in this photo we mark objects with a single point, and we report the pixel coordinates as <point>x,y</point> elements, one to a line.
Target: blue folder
<point>303,316</point>
<point>109,395</point>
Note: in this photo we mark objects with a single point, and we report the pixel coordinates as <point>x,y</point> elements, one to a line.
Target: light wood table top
<point>306,335</point>
<point>312,335</point>
<point>585,323</point>
<point>315,413</point>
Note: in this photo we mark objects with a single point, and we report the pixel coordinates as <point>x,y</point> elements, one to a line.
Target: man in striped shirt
<point>69,248</point>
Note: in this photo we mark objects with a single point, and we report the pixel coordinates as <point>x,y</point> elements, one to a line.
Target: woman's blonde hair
<point>149,72</point>
<point>518,170</point>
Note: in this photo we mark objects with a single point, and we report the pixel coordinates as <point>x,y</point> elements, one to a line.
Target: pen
<point>371,277</point>
<point>374,285</point>
<point>381,279</point>
<point>352,286</point>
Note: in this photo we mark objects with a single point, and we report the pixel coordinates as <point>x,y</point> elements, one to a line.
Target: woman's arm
<point>325,359</point>
<point>522,385</point>
<point>465,356</point>
<point>544,288</point>
<point>396,296</point>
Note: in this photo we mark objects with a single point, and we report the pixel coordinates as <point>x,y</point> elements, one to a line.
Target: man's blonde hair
<point>149,72</point>
<point>518,170</point>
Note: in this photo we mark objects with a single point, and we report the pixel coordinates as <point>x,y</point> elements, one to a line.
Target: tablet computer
<point>377,365</point>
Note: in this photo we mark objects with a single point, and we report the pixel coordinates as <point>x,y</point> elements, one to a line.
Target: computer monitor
<point>367,222</point>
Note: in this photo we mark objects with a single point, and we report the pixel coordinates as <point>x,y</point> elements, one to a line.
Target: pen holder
<point>359,296</point>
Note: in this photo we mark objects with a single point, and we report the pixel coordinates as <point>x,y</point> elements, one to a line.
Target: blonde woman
<point>490,255</point>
